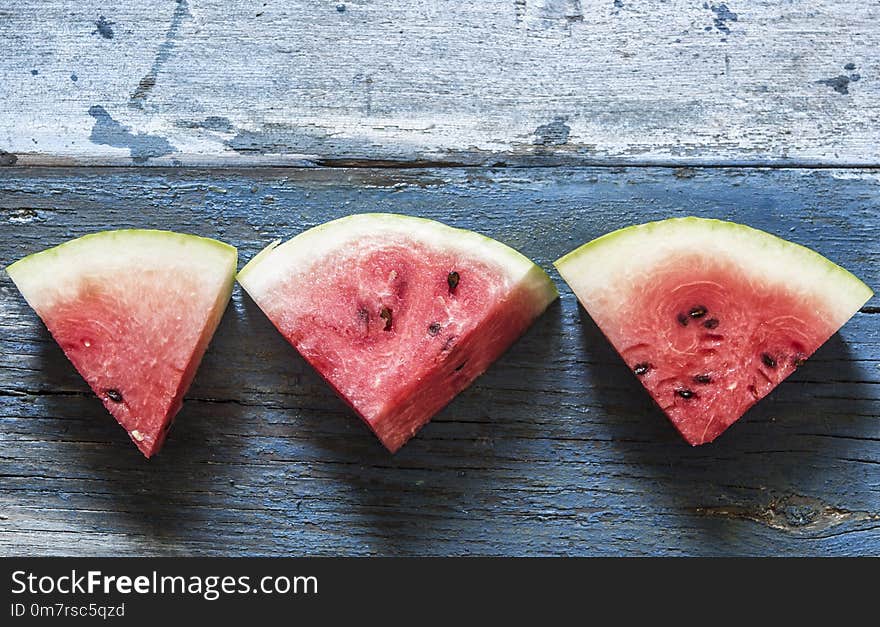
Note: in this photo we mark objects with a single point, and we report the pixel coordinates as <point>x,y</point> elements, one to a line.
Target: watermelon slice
<point>134,310</point>
<point>710,315</point>
<point>397,314</point>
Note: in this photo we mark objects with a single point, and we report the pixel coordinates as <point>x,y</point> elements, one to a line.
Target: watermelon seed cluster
<point>695,313</point>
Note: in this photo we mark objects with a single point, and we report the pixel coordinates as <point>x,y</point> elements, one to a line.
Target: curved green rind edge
<point>260,257</point>
<point>536,274</point>
<point>619,237</point>
<point>95,239</point>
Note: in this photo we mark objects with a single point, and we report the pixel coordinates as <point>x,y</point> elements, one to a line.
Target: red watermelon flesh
<point>710,315</point>
<point>134,312</point>
<point>397,314</point>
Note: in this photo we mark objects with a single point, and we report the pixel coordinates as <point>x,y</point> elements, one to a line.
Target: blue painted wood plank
<point>556,450</point>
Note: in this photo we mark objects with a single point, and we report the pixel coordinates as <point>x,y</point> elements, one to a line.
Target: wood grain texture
<point>556,450</point>
<point>495,81</point>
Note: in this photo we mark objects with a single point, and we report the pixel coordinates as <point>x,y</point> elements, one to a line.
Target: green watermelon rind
<point>323,238</point>
<point>37,262</point>
<point>828,274</point>
<point>36,273</point>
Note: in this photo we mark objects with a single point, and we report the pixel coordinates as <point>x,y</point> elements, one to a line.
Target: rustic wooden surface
<point>441,100</point>
<point>556,450</point>
<point>494,81</point>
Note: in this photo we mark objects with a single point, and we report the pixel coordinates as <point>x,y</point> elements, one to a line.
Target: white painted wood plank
<point>571,81</point>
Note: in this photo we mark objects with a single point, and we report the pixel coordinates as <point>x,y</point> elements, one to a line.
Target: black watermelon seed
<point>702,378</point>
<point>682,320</point>
<point>114,395</point>
<point>685,393</point>
<point>799,360</point>
<point>452,280</point>
<point>642,368</point>
<point>698,312</point>
<point>385,314</point>
<point>434,328</point>
<point>768,360</point>
<point>711,323</point>
<point>460,366</point>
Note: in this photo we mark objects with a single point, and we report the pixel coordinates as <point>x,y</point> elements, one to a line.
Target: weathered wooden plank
<point>555,451</point>
<point>513,81</point>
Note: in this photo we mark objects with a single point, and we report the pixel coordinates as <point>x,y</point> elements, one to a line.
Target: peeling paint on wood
<point>556,450</point>
<point>108,132</point>
<point>103,27</point>
<point>302,83</point>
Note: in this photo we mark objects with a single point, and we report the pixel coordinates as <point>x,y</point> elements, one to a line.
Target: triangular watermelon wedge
<point>710,315</point>
<point>397,314</point>
<point>134,311</point>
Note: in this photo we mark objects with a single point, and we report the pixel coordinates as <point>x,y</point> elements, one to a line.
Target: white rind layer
<point>600,271</point>
<point>54,275</point>
<point>276,262</point>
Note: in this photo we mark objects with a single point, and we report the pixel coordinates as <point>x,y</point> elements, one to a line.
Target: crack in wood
<point>148,82</point>
<point>792,514</point>
<point>21,392</point>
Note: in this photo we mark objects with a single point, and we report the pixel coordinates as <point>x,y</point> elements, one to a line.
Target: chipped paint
<point>109,132</point>
<point>839,83</point>
<point>555,133</point>
<point>104,28</point>
<point>218,123</point>
<point>723,15</point>
<point>24,216</point>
